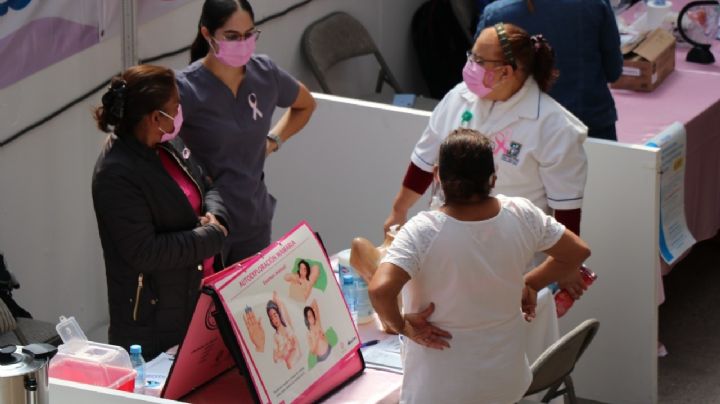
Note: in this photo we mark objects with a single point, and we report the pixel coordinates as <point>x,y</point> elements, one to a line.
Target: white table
<point>384,387</point>
<point>373,386</point>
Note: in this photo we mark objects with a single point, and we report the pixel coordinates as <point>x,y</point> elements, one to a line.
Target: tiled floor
<point>690,329</point>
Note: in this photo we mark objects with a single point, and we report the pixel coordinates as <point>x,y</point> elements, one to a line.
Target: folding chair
<point>552,369</point>
<point>465,12</point>
<point>338,37</point>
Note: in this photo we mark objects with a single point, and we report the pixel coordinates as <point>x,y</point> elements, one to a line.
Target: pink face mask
<point>475,77</point>
<point>177,124</point>
<point>234,53</point>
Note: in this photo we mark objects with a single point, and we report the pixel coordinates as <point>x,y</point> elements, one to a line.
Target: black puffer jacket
<point>152,241</point>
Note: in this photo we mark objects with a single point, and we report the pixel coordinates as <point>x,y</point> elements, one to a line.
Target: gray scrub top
<point>228,135</point>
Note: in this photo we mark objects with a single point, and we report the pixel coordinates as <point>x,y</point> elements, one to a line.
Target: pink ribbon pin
<point>252,101</point>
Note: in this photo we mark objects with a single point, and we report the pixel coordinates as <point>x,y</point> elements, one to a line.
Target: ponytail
<point>199,48</point>
<point>110,113</point>
<point>544,72</point>
<point>534,55</point>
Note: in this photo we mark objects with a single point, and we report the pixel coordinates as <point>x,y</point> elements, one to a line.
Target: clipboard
<point>300,356</point>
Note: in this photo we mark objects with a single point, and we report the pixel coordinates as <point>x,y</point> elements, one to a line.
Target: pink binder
<point>279,319</point>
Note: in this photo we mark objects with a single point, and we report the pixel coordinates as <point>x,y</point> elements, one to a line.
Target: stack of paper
<point>385,355</point>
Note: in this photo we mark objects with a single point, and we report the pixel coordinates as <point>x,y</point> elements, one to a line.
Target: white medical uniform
<point>473,272</point>
<point>538,151</point>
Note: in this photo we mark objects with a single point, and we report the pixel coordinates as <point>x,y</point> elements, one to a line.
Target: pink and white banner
<point>35,34</point>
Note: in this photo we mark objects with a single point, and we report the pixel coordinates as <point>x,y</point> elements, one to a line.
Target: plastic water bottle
<point>348,291</point>
<point>563,300</point>
<point>363,307</point>
<point>138,363</point>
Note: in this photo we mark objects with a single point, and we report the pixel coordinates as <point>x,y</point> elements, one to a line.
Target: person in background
<point>228,96</point>
<point>538,143</point>
<point>460,270</point>
<point>481,4</point>
<point>7,284</point>
<point>158,215</point>
<point>585,37</point>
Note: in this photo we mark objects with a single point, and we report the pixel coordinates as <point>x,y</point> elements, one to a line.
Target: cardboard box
<point>647,61</point>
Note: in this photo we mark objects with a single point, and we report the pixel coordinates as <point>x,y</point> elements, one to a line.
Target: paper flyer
<point>290,319</point>
<point>675,238</point>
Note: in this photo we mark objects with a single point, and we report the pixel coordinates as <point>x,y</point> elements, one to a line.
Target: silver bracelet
<point>275,138</point>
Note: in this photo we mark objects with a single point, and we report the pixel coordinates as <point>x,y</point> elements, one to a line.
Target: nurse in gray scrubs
<point>228,95</point>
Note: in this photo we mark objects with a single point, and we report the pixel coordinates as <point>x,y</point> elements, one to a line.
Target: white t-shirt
<point>538,143</point>
<point>473,272</point>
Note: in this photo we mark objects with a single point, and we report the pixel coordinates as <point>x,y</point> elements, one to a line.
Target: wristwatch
<point>275,138</point>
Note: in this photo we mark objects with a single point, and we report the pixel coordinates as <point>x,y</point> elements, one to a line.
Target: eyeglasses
<point>244,36</point>
<point>168,115</point>
<point>471,56</point>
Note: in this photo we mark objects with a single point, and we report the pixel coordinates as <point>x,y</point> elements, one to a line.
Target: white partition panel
<point>342,172</point>
<point>620,222</point>
<point>66,392</point>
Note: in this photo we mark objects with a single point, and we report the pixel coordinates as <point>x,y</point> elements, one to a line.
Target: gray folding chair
<point>338,37</point>
<point>465,12</point>
<point>552,369</point>
<point>24,331</point>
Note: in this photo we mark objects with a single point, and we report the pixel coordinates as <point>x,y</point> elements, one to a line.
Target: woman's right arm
<point>123,213</point>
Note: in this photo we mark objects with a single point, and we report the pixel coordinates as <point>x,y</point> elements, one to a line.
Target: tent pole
<point>129,34</point>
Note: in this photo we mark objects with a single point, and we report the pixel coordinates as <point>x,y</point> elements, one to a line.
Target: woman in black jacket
<point>160,220</point>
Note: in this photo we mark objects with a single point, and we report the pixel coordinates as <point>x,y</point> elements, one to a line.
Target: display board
<point>282,318</point>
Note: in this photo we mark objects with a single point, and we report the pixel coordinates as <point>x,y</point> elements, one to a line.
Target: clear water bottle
<point>563,300</point>
<point>348,291</point>
<point>138,363</point>
<point>363,307</point>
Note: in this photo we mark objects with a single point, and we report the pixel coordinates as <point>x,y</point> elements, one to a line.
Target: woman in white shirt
<point>460,270</point>
<point>538,143</point>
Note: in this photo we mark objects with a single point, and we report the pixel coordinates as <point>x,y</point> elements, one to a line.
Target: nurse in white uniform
<point>538,143</point>
<point>460,270</point>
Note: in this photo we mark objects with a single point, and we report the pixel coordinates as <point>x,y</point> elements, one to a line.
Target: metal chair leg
<point>552,392</point>
<point>569,391</point>
<point>380,80</point>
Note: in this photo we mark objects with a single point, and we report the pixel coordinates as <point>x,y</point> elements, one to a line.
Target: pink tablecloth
<point>690,95</point>
<point>692,98</point>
